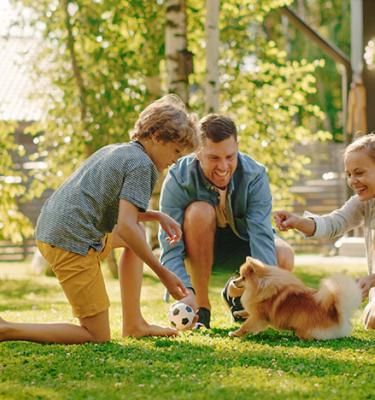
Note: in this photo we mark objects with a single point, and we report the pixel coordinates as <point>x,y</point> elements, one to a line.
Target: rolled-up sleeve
<point>340,221</point>
<point>259,208</point>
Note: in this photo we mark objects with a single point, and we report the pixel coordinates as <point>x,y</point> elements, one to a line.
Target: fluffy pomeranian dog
<point>275,297</point>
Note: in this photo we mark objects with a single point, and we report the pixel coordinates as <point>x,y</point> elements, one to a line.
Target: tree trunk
<point>212,55</point>
<point>112,264</point>
<point>178,58</point>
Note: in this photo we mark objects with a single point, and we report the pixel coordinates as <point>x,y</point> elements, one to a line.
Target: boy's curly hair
<point>168,119</point>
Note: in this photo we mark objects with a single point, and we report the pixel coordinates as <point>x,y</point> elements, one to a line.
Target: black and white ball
<point>181,316</point>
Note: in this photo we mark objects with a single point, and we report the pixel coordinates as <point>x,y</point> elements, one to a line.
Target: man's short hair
<point>217,128</point>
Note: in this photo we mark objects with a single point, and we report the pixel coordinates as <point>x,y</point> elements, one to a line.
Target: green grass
<point>196,365</point>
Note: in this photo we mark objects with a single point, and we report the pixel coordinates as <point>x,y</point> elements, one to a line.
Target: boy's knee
<point>101,339</point>
<point>97,327</point>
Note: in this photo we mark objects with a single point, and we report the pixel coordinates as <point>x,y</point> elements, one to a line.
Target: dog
<point>277,298</point>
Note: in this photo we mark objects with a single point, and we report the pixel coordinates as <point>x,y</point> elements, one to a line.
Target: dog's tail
<point>341,292</point>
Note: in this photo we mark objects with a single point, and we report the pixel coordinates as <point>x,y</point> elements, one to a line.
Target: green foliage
<point>99,58</point>
<point>200,364</point>
<point>265,93</point>
<point>331,19</point>
<point>13,224</point>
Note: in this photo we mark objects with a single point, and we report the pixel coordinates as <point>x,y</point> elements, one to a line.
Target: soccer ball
<point>181,315</point>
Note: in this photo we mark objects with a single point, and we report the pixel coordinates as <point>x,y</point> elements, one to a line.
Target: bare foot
<point>3,326</point>
<point>146,329</point>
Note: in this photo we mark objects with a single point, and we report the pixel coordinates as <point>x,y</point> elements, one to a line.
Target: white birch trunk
<point>212,55</point>
<point>175,48</point>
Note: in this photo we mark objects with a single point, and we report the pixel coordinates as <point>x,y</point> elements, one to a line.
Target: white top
<point>351,215</point>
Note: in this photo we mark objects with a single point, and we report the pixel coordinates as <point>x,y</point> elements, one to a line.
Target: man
<point>222,199</point>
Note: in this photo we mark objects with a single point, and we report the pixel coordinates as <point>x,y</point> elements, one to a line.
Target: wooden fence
<point>16,252</point>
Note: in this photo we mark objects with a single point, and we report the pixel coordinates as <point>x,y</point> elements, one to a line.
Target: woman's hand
<point>285,220</point>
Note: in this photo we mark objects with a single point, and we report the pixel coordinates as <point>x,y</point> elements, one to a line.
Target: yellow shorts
<point>80,277</point>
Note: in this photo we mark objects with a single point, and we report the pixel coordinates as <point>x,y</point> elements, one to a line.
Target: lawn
<point>196,365</point>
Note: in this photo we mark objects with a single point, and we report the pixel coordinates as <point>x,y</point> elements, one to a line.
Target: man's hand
<point>369,311</point>
<point>171,227</point>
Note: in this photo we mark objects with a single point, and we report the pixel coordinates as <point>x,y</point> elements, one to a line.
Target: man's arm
<point>173,201</point>
<point>258,218</point>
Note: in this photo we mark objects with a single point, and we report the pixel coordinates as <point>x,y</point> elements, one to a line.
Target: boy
<point>100,207</point>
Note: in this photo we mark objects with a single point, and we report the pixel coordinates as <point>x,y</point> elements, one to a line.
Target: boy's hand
<point>365,284</point>
<point>173,284</point>
<point>369,311</point>
<point>190,300</point>
<point>171,227</point>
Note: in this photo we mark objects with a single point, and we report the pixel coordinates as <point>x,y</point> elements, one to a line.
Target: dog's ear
<point>256,265</point>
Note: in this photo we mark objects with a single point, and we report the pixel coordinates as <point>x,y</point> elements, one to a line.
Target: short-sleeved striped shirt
<point>86,206</point>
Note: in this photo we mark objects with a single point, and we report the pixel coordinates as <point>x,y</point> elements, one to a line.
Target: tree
<point>212,55</point>
<point>332,20</point>
<point>265,93</point>
<point>178,58</point>
<point>13,224</point>
<point>100,82</point>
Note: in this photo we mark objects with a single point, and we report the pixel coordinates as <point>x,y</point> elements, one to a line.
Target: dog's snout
<point>238,282</point>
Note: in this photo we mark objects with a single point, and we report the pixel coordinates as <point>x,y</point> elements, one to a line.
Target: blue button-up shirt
<point>250,206</point>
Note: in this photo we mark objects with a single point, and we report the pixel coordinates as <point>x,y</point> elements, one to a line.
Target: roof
<point>17,49</point>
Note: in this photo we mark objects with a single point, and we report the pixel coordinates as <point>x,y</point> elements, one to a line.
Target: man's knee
<point>200,214</point>
<point>284,254</point>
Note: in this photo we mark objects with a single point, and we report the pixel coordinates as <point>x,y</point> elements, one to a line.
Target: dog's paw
<point>234,291</point>
<point>235,334</point>
<point>241,314</point>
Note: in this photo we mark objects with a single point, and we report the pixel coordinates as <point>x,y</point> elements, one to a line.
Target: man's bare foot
<point>146,329</point>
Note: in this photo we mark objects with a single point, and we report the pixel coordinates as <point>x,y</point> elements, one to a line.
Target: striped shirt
<point>86,206</point>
